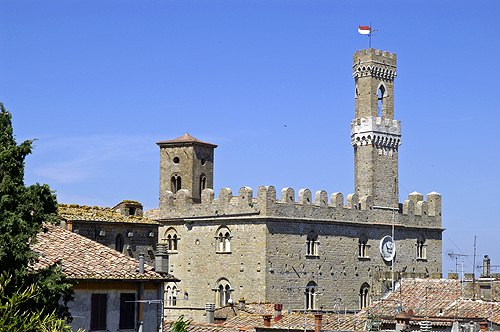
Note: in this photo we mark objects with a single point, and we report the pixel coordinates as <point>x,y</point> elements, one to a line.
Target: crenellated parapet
<point>376,131</point>
<point>374,63</point>
<point>413,212</point>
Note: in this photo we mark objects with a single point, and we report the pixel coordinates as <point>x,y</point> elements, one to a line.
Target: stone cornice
<point>371,68</point>
<point>376,131</point>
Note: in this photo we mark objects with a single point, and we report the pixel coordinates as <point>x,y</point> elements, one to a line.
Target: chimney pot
<point>267,320</point>
<point>486,266</point>
<point>241,304</point>
<point>277,311</point>
<point>141,263</point>
<point>210,308</point>
<point>318,322</point>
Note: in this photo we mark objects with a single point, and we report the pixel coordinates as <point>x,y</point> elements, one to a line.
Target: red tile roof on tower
<point>84,259</point>
<point>186,138</point>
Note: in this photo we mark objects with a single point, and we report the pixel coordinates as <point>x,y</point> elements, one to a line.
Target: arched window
<point>203,183</point>
<point>362,246</point>
<point>171,293</point>
<point>223,292</point>
<point>175,184</point>
<point>381,95</point>
<point>171,238</point>
<point>119,243</point>
<point>364,296</point>
<point>312,244</point>
<point>223,239</point>
<point>310,293</point>
<point>421,247</point>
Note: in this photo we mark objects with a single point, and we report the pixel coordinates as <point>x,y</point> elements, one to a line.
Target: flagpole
<point>370,36</point>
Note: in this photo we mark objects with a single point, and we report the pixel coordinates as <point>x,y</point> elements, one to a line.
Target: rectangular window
<point>127,311</point>
<point>98,312</point>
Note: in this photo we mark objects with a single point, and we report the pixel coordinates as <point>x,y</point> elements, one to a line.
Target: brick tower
<point>186,163</point>
<point>375,135</point>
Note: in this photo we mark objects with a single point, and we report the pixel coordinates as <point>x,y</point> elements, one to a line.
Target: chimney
<point>69,225</point>
<point>483,326</point>
<point>486,266</point>
<point>402,321</point>
<point>241,304</point>
<point>267,320</point>
<point>161,258</point>
<point>318,322</point>
<point>210,309</point>
<point>141,263</point>
<point>277,311</point>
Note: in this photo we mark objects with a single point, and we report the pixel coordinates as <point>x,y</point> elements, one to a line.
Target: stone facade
<point>121,227</point>
<point>308,251</point>
<point>186,163</point>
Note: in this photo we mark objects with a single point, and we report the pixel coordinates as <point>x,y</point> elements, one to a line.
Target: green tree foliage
<point>180,325</point>
<point>23,210</point>
<point>13,319</point>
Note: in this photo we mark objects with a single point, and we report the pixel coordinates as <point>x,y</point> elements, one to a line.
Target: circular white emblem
<point>387,248</point>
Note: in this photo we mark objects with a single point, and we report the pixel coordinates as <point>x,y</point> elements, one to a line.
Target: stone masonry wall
<point>371,68</point>
<point>337,268</point>
<point>193,162</point>
<point>143,237</point>
<point>264,249</point>
<point>200,266</point>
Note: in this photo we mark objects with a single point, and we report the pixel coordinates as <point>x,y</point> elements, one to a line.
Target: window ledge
<point>312,256</point>
<point>364,258</point>
<point>172,252</point>
<point>222,252</point>
<point>421,259</point>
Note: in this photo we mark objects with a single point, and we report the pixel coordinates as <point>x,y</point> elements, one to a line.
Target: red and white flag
<point>364,30</point>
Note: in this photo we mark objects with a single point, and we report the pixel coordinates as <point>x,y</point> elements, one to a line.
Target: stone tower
<point>375,135</point>
<point>186,163</point>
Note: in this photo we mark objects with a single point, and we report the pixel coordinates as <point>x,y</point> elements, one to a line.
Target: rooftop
<point>77,212</point>
<point>435,298</point>
<point>186,138</point>
<point>82,258</point>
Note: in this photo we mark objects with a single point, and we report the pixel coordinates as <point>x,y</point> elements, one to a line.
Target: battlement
<point>376,131</point>
<point>372,54</point>
<point>376,124</point>
<point>374,63</point>
<point>413,212</point>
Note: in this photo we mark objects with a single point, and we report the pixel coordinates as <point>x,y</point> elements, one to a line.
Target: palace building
<point>305,250</point>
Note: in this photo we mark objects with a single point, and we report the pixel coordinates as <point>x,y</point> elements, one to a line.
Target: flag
<point>364,30</point>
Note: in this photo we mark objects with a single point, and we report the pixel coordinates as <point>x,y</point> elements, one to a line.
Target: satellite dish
<point>230,301</point>
<point>410,312</point>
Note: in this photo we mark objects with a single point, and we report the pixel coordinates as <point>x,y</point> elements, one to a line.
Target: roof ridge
<point>186,138</point>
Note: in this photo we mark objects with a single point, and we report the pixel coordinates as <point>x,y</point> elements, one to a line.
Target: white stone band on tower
<point>376,131</point>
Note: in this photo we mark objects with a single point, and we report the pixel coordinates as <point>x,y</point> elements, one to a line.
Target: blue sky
<point>99,82</point>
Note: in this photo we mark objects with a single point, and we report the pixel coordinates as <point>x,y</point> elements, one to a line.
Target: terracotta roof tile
<point>203,327</point>
<point>88,213</point>
<point>82,258</point>
<point>186,138</point>
<point>438,298</point>
<point>330,322</point>
<point>152,214</point>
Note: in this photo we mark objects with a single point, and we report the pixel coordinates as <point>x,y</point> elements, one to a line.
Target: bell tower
<point>186,163</point>
<point>375,135</point>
